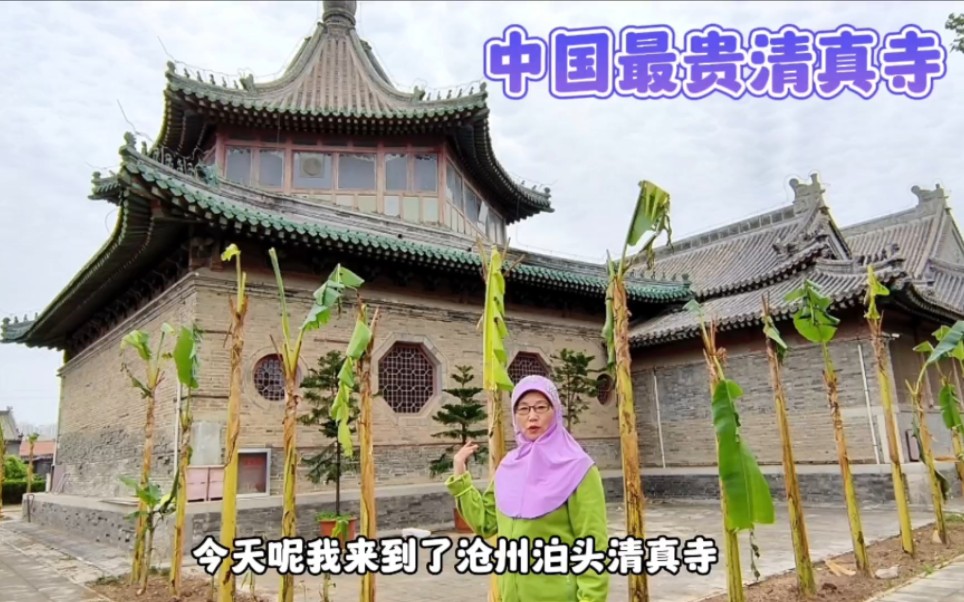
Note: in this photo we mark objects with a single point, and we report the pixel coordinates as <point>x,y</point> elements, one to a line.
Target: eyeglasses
<point>539,409</point>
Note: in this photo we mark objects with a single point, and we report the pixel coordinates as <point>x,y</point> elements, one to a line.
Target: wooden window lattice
<point>526,364</point>
<point>269,378</point>
<point>406,378</point>
<point>605,388</point>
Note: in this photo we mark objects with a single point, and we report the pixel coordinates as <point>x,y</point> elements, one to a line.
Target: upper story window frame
<point>423,199</point>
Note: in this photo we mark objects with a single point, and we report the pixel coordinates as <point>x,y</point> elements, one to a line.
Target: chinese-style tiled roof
<point>40,448</point>
<point>918,231</point>
<point>927,237</point>
<point>947,282</point>
<point>732,267</point>
<point>10,431</point>
<point>758,250</point>
<point>142,183</point>
<point>336,85</point>
<point>843,281</point>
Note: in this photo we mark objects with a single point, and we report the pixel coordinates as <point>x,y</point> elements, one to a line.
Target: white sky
<point>68,68</point>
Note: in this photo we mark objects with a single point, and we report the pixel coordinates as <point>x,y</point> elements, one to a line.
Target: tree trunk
<point>937,496</point>
<point>850,494</point>
<point>145,477</point>
<point>798,527</point>
<point>368,510</point>
<point>229,499</point>
<point>890,422</point>
<point>29,469</point>
<point>184,453</point>
<point>731,542</point>
<point>288,519</point>
<point>633,499</point>
<point>337,478</point>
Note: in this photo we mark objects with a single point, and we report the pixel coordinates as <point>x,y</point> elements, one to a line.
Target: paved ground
<point>23,579</point>
<point>827,529</point>
<point>40,564</point>
<point>945,585</point>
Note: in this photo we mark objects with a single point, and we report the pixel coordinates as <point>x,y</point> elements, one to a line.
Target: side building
<point>918,254</point>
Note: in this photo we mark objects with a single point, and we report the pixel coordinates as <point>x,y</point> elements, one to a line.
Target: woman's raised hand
<point>462,456</point>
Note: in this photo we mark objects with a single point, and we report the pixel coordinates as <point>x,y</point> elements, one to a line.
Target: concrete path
<point>827,529</point>
<point>22,579</point>
<point>943,585</point>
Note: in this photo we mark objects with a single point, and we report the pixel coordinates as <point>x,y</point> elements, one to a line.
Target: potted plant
<point>320,389</point>
<point>460,418</point>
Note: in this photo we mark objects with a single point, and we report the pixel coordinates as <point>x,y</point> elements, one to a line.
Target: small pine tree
<point>320,388</point>
<point>461,416</point>
<point>571,373</point>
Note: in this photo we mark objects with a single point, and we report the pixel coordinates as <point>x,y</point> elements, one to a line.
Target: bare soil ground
<point>193,589</point>
<point>884,554</point>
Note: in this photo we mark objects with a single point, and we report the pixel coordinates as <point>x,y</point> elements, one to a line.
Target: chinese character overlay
<point>911,60</point>
<point>647,62</point>
<point>581,62</point>
<point>515,59</point>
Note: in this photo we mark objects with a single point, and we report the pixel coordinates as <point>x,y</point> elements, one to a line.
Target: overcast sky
<point>69,68</point>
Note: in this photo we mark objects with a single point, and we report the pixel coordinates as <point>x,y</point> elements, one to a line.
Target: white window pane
<point>396,172</point>
<point>312,171</point>
<point>473,205</point>
<point>239,165</point>
<point>426,173</point>
<point>453,186</point>
<point>356,172</point>
<point>271,168</point>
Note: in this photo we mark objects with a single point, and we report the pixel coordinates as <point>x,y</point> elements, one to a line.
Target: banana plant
<point>948,398</point>
<point>185,357</point>
<point>777,350</point>
<point>229,500</point>
<point>874,320</point>
<point>650,217</point>
<point>495,373</point>
<point>814,322</point>
<point>325,299</point>
<point>745,496</point>
<point>358,366</point>
<point>950,339</point>
<point>154,375</point>
<point>153,507</point>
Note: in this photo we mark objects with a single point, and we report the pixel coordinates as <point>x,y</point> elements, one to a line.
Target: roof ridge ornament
<point>926,197</point>
<point>339,12</point>
<point>807,196</point>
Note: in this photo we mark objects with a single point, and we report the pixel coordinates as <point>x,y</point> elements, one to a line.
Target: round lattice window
<point>269,378</point>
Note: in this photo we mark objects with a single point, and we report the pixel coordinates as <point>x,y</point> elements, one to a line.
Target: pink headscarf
<point>538,476</point>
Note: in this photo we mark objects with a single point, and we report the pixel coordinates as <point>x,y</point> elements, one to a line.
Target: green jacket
<point>583,515</point>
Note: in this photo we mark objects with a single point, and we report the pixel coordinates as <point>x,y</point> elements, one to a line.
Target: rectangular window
<point>312,171</point>
<point>271,168</point>
<point>396,172</point>
<point>238,169</point>
<point>426,173</point>
<point>453,186</point>
<point>473,205</point>
<point>356,172</point>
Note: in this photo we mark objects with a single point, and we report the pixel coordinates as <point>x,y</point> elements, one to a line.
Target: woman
<point>546,487</point>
